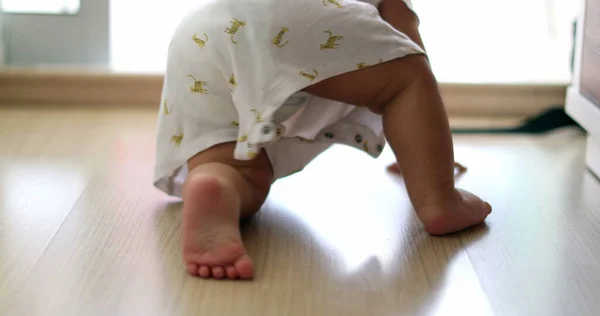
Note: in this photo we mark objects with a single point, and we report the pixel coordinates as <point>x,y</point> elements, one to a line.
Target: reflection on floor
<point>82,232</point>
<point>467,40</point>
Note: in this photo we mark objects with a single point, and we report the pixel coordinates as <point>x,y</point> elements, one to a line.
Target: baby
<point>256,89</point>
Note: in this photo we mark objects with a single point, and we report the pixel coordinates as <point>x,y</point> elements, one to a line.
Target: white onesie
<point>236,70</point>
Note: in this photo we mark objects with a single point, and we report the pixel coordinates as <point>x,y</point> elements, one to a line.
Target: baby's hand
<point>458,169</point>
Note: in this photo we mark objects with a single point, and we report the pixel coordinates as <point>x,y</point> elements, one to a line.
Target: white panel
<point>580,108</point>
<point>592,157</point>
<point>584,111</point>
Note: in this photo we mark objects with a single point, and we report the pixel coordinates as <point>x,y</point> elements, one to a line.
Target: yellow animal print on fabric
<point>166,109</point>
<point>334,2</point>
<point>235,123</point>
<point>243,138</point>
<point>232,82</point>
<point>176,139</point>
<point>199,41</point>
<point>305,140</point>
<point>199,86</point>
<point>257,115</point>
<point>361,65</point>
<point>279,38</point>
<point>309,76</point>
<point>235,27</point>
<point>331,41</point>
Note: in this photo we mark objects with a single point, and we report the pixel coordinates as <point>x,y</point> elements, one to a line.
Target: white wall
<point>81,39</point>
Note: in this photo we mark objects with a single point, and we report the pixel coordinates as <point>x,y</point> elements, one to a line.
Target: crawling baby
<point>256,89</point>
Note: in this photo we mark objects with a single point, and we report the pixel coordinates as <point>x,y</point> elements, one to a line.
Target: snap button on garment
<point>263,133</point>
<point>266,130</point>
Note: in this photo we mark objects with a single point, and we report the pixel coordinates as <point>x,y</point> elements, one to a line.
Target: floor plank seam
<point>59,227</point>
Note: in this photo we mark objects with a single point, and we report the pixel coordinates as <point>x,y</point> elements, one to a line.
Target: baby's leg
<point>218,192</point>
<point>416,126</point>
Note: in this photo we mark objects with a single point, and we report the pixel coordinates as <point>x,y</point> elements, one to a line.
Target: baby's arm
<point>394,12</point>
<point>398,15</point>
<point>406,93</point>
<point>415,124</point>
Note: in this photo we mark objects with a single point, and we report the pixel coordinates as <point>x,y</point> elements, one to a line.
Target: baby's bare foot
<point>212,244</point>
<point>458,211</point>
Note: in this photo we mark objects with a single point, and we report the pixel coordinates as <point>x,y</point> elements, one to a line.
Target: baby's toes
<point>487,208</point>
<point>192,269</point>
<point>485,211</point>
<point>244,267</point>
<point>231,272</point>
<point>204,272</point>
<point>479,209</point>
<point>218,272</point>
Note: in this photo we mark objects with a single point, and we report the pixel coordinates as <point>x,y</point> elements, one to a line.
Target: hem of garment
<point>165,183</point>
<point>281,173</point>
<point>336,69</point>
<point>373,153</point>
<point>288,88</point>
<point>167,169</point>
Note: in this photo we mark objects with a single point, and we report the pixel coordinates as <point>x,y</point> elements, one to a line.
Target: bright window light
<point>41,6</point>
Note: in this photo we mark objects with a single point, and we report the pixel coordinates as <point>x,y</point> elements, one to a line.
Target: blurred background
<point>469,41</point>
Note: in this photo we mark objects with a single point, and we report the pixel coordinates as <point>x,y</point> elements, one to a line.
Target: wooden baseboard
<point>92,87</point>
<point>501,99</point>
<point>78,87</point>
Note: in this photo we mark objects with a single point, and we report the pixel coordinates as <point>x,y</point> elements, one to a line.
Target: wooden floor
<point>83,232</point>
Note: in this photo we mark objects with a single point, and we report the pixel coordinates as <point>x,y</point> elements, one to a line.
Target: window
<point>468,41</point>
<point>41,6</point>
